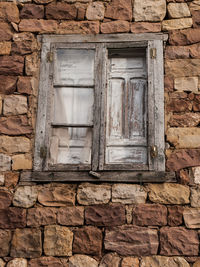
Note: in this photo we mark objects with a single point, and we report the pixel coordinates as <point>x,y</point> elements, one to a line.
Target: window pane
<point>73,105</point>
<point>71,146</point>
<point>75,67</point>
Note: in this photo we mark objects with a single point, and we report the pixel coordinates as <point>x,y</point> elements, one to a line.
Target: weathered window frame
<point>156,172</point>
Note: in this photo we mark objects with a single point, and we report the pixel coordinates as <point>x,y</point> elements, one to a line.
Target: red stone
<point>183,177</point>
<point>175,215</point>
<point>11,179</point>
<point>115,26</point>
<point>179,105</point>
<point>105,215</point>
<point>71,216</point>
<point>15,125</point>
<point>31,11</point>
<point>24,85</point>
<point>185,120</point>
<point>178,241</point>
<point>196,103</point>
<point>176,52</point>
<point>12,218</point>
<point>184,37</point>
<point>61,11</point>
<point>5,32</point>
<point>5,239</point>
<point>119,9</point>
<point>8,84</point>
<point>41,216</point>
<point>78,27</point>
<point>149,214</point>
<point>24,43</point>
<point>11,65</point>
<point>45,262</point>
<point>38,25</point>
<point>5,198</point>
<point>183,158</point>
<point>196,18</point>
<point>87,240</point>
<point>194,51</point>
<point>168,84</point>
<point>9,12</point>
<point>141,27</point>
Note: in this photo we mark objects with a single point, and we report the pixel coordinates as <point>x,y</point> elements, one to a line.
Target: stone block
<point>158,261</point>
<point>11,65</point>
<point>82,261</point>
<point>149,214</point>
<point>5,162</point>
<point>128,194</point>
<point>57,241</point>
<point>87,240</point>
<point>24,85</point>
<point>2,179</point>
<point>184,120</point>
<point>195,197</point>
<point>16,144</point>
<point>32,64</point>
<point>183,158</point>
<point>149,10</point>
<point>168,84</point>
<point>179,105</point>
<point>90,194</point>
<point>11,179</point>
<point>5,239</point>
<point>78,27</point>
<point>177,52</point>
<point>5,198</point>
<point>15,105</point>
<point>42,1</point>
<point>32,11</point>
<point>26,243</point>
<point>115,26</point>
<point>192,217</point>
<point>5,32</point>
<point>119,9</point>
<point>177,24</point>
<point>5,48</point>
<point>110,260</point>
<point>25,196</point>
<point>7,84</point>
<point>2,263</point>
<point>71,216</point>
<point>178,241</point>
<point>24,43</point>
<point>184,137</point>
<point>178,10</point>
<point>18,262</point>
<point>11,218</point>
<point>175,215</point>
<point>46,261</point>
<point>168,193</point>
<point>130,262</point>
<point>15,125</point>
<point>195,174</point>
<point>131,240</point>
<point>95,11</point>
<point>194,50</point>
<point>196,19</point>
<point>184,37</point>
<point>186,84</point>
<point>41,216</point>
<point>9,12</point>
<point>56,195</point>
<point>38,25</point>
<point>21,162</point>
<point>61,10</point>
<point>142,27</point>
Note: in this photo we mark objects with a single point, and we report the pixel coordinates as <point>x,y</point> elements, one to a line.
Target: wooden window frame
<point>156,170</point>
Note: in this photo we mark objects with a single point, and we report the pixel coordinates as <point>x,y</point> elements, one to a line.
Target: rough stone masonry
<point>105,225</point>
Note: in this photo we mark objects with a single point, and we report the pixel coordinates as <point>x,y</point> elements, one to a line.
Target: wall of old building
<point>90,224</point>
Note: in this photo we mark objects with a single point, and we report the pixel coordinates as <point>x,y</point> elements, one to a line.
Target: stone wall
<point>85,224</point>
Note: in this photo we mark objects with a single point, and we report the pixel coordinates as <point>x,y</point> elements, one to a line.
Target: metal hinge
<point>49,56</point>
<point>154,151</point>
<point>43,152</point>
<point>153,53</point>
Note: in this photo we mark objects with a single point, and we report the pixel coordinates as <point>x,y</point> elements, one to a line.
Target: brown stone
<point>105,215</point>
<point>7,84</point>
<point>46,261</point>
<point>42,1</point>
<point>12,218</point>
<point>57,195</point>
<point>196,19</point>
<point>31,11</point>
<point>131,240</point>
<point>119,9</point>
<point>95,11</point>
<point>78,27</point>
<point>82,261</point>
<point>179,105</point>
<point>183,177</point>
<point>161,261</point>
<point>110,260</point>
<point>184,37</point>
<point>81,10</point>
<point>194,50</point>
<point>149,214</point>
<point>177,52</point>
<point>15,144</point>
<point>15,125</point>
<point>5,48</point>
<point>168,84</point>
<point>5,32</point>
<point>32,64</point>
<point>192,217</point>
<point>183,158</point>
<point>24,43</point>
<point>5,198</point>
<point>140,27</point>
<point>11,65</point>
<point>195,196</point>
<point>176,24</point>
<point>71,216</point>
<point>115,26</point>
<point>175,215</point>
<point>178,10</point>
<point>61,10</point>
<point>41,216</point>
<point>178,241</point>
<point>24,85</point>
<point>22,162</point>
<point>130,262</point>
<point>57,241</point>
<point>26,243</point>
<point>196,103</point>
<point>11,179</point>
<point>5,239</point>
<point>9,12</point>
<point>17,262</point>
<point>184,120</point>
<point>15,105</point>
<point>87,240</point>
<point>186,84</point>
<point>40,25</point>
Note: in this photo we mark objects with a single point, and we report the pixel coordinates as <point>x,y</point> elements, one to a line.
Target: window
<point>101,104</point>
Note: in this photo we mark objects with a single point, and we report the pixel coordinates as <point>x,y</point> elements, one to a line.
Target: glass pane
<point>73,105</point>
<point>73,146</point>
<point>75,67</point>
